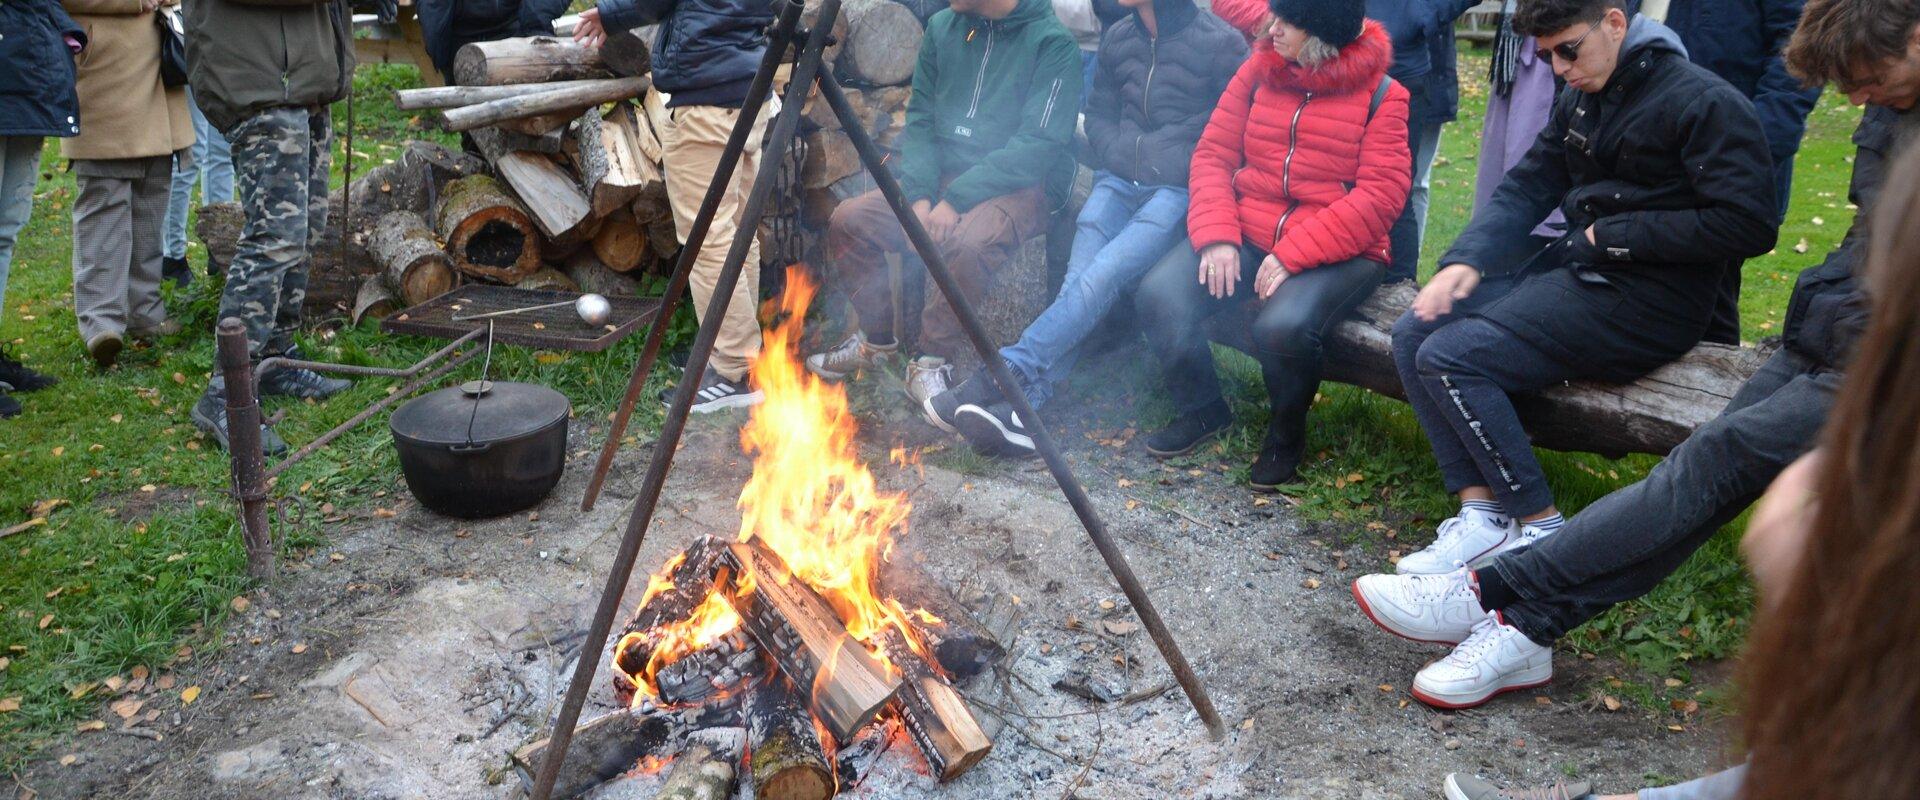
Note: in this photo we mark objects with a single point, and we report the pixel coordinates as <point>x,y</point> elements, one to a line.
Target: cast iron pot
<point>475,451</point>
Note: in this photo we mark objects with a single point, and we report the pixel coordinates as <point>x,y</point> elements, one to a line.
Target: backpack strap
<point>1379,96</point>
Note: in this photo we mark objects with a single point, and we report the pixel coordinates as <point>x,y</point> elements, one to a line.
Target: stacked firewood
<point>877,43</point>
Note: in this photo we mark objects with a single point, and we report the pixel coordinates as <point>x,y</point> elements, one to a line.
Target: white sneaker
<point>1496,658</point>
<point>1441,609</point>
<point>1462,540</point>
<point>851,355</point>
<point>1528,535</point>
<point>927,378</point>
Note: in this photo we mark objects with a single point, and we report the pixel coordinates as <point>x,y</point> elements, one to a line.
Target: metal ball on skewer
<point>592,309</point>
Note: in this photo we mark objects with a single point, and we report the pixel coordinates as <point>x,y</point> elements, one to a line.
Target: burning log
<point>488,233</point>
<point>935,715</point>
<point>532,59</point>
<point>786,760</point>
<point>601,749</point>
<point>467,118</point>
<point>959,643</point>
<point>846,684</point>
<point>410,258</point>
<point>709,766</point>
<point>557,206</point>
<point>716,668</point>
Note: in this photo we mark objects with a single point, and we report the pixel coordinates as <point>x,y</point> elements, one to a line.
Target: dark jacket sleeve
<point>1726,160</point>
<point>1103,107</point>
<point>1499,239</point>
<point>628,14</point>
<point>1781,100</point>
<point>537,16</point>
<point>919,169</point>
<point>1045,135</point>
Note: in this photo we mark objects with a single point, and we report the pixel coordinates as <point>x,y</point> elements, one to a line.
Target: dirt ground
<point>410,654</point>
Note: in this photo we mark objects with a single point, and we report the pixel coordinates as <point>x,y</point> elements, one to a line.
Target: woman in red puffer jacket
<point>1295,183</point>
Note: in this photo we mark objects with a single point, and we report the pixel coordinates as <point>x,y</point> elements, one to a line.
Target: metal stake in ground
<point>243,447</point>
<point>777,43</point>
<point>1042,440</point>
<point>784,127</point>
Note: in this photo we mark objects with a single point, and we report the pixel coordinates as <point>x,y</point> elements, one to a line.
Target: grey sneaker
<point>1461,786</point>
<point>210,415</point>
<point>165,327</point>
<point>927,378</point>
<point>852,355</point>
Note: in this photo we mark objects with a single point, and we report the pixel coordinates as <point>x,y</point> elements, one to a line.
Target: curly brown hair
<point>1832,676</point>
<point>1836,37</point>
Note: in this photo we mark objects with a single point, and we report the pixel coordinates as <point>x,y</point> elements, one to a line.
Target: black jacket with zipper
<point>1152,94</point>
<point>1828,309</point>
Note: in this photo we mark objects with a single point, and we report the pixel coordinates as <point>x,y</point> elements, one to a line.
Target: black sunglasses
<point>1567,51</point>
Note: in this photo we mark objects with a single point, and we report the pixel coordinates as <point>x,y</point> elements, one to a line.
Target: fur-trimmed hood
<point>1360,65</point>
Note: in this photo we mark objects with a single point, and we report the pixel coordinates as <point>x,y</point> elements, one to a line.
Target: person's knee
<point>1286,333</point>
<point>1451,350</point>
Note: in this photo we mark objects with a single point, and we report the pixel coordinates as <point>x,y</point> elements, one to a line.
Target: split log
<point>548,279</point>
<point>593,276</point>
<point>830,157</point>
<point>846,685</point>
<point>959,643</point>
<point>682,584</point>
<point>410,257</point>
<point>630,52</point>
<point>488,234</point>
<point>374,300</point>
<point>708,768</point>
<point>1650,415</point>
<point>620,244</point>
<point>786,760</point>
<point>820,115</point>
<point>531,59</point>
<point>491,112</point>
<point>600,750</point>
<point>614,169</point>
<point>548,192</point>
<point>437,97</point>
<point>882,42</point>
<point>935,715</point>
<point>662,238</point>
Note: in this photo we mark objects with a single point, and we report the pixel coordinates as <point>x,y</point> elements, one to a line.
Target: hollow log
<point>959,643</point>
<point>531,59</point>
<point>629,52</point>
<point>466,118</point>
<point>1650,415</point>
<point>786,760</point>
<point>620,244</point>
<point>437,97</point>
<point>593,276</point>
<point>613,168</point>
<point>601,749</point>
<point>374,300</point>
<point>935,715</point>
<point>488,234</point>
<point>410,257</point>
<point>846,684</point>
<point>708,768</point>
<point>548,192</point>
<point>882,42</point>
<point>548,279</point>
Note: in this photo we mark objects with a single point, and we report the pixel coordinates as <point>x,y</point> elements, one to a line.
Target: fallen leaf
<point>1132,504</point>
<point>9,704</point>
<point>1248,725</point>
<point>128,707</point>
<point>1311,583</point>
<point>90,726</point>
<point>385,513</point>
<point>140,672</point>
<point>299,648</point>
<point>69,759</point>
<point>1687,707</point>
<point>189,694</point>
<point>1119,627</point>
<point>115,419</point>
<point>80,690</point>
<point>1612,703</point>
<point>179,379</point>
<point>149,488</point>
<point>1261,501</point>
<point>1385,687</point>
<point>1801,247</point>
<point>59,451</point>
<point>1124,483</point>
<point>240,603</point>
<point>336,557</point>
<point>1675,683</point>
<point>1106,605</point>
<point>114,683</point>
<point>1677,728</point>
<point>4,663</point>
<point>45,621</point>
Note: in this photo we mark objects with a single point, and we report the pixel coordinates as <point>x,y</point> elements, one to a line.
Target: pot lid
<point>499,411</point>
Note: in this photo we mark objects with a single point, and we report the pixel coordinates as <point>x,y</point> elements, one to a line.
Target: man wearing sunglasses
<point>1663,172</point>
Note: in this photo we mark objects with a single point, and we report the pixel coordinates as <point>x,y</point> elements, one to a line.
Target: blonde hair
<point>1313,52</point>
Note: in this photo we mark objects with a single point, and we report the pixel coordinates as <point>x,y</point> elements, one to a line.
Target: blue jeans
<point>211,165</point>
<point>1124,229</point>
<point>19,167</point>
<point>1410,228</point>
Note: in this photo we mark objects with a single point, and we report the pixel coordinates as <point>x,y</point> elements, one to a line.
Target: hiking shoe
<point>302,383</point>
<point>177,271</point>
<point>1185,433</point>
<point>1461,540</point>
<point>717,393</point>
<point>1460,786</point>
<point>210,415</point>
<point>17,375</point>
<point>1495,658</point>
<point>927,378</point>
<point>851,355</point>
<point>9,407</point>
<point>166,327</point>
<point>1527,536</point>
<point>104,348</point>
<point>995,430</point>
<point>1440,609</point>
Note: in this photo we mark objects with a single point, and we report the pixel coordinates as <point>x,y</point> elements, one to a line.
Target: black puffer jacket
<point>707,50</point>
<point>36,70</point>
<point>1152,95</point>
<point>1669,166</point>
<point>1828,309</point>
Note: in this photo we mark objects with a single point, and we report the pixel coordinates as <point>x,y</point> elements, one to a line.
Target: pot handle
<point>470,448</point>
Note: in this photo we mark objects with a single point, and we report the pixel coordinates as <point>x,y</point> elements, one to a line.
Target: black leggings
<point>1287,330</point>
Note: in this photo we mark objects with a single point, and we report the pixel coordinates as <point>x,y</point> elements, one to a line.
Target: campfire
<point>803,635</point>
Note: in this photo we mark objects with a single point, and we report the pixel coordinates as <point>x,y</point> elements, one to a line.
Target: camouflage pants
<point>280,160</point>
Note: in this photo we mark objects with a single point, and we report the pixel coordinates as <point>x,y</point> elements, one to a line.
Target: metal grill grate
<point>547,329</point>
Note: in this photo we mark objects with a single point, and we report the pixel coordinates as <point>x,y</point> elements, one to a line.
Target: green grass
<point>133,576</point>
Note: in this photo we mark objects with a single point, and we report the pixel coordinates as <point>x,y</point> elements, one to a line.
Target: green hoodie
<point>993,109</point>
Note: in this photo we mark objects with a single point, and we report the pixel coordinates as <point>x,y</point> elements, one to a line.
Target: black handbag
<point>173,46</point>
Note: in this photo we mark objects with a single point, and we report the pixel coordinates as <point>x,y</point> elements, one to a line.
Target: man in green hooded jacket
<point>985,157</point>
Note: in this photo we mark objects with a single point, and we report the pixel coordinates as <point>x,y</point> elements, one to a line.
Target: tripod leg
<point>1042,440</point>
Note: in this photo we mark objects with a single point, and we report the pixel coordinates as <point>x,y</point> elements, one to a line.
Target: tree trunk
<point>438,97</point>
<point>620,244</point>
<point>410,257</point>
<point>557,205</point>
<point>541,124</point>
<point>467,118</point>
<point>882,42</point>
<point>787,762</point>
<point>488,234</point>
<point>374,299</point>
<point>532,59</point>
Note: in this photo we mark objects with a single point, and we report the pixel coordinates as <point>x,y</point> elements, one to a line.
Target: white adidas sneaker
<point>1440,609</point>
<point>1527,536</point>
<point>1461,540</point>
<point>1495,658</point>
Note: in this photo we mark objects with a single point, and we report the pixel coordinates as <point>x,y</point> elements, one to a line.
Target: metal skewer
<point>513,311</point>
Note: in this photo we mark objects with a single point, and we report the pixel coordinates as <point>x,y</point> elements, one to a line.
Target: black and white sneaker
<point>977,390</point>
<point>995,430</point>
<point>717,393</point>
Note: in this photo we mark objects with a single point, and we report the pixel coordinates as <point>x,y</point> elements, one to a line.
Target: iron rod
<point>282,362</point>
<point>398,395</point>
<point>243,447</point>
<point>757,91</point>
<point>1042,440</point>
<point>621,572</point>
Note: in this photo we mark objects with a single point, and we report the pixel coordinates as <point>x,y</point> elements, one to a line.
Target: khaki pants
<point>117,220</point>
<point>691,141</point>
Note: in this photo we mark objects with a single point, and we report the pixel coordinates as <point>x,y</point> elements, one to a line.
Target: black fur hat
<point>1336,22</point>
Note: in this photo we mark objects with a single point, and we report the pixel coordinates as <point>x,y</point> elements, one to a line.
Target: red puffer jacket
<point>1290,164</point>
